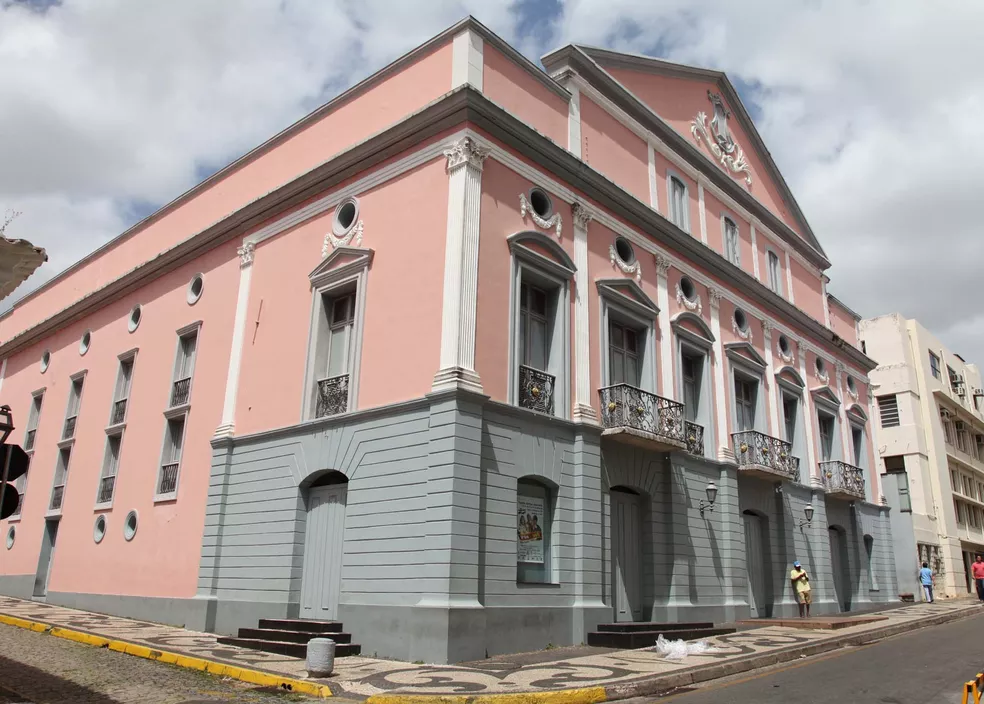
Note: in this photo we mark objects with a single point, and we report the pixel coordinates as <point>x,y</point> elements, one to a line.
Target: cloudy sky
<point>872,109</point>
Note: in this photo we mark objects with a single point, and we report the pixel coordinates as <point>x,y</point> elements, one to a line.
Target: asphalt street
<point>928,666</point>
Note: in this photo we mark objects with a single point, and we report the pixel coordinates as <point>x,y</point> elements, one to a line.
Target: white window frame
<point>106,465</point>
<point>75,401</point>
<point>775,272</point>
<point>65,446</point>
<point>726,245</point>
<point>828,406</point>
<point>346,268</point>
<point>123,388</point>
<point>753,369</point>
<point>795,391</point>
<point>623,300</point>
<point>556,277</point>
<point>194,329</point>
<point>689,342</point>
<point>684,223</point>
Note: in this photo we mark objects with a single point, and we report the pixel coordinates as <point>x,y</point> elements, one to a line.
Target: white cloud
<point>871,110</point>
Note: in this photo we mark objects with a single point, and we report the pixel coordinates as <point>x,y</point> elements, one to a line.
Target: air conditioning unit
<point>961,391</point>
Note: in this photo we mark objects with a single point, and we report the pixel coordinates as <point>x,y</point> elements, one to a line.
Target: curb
<point>661,684</point>
<point>264,679</point>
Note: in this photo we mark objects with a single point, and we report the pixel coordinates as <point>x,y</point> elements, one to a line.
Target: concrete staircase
<point>290,636</point>
<point>626,636</point>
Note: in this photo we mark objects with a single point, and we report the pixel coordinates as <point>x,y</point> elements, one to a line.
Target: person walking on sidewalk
<point>926,579</point>
<point>978,571</point>
<point>801,583</point>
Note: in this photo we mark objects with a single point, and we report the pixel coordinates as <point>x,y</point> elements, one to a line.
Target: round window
<point>11,534</point>
<point>821,367</point>
<point>99,529</point>
<point>130,525</point>
<point>624,250</point>
<point>45,361</point>
<point>346,215</point>
<point>541,203</point>
<point>134,322</point>
<point>741,320</point>
<point>851,385</point>
<point>195,289</point>
<point>688,288</point>
<point>784,345</point>
<point>85,342</point>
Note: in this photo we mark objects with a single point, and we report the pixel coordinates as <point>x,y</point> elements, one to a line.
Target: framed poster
<point>529,521</point>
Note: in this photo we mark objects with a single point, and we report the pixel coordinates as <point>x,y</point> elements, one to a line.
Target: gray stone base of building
<point>17,585</point>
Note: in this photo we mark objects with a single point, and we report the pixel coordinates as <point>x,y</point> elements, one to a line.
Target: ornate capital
<point>466,152</point>
<point>582,215</point>
<point>714,296</point>
<point>662,264</point>
<point>767,328</point>
<point>840,367</point>
<point>246,254</point>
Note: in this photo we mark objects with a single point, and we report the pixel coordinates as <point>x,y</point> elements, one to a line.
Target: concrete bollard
<point>320,657</point>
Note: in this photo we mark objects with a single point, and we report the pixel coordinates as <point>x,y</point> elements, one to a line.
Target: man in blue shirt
<point>926,579</point>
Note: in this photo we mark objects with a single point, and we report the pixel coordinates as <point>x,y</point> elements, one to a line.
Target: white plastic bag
<point>679,649</point>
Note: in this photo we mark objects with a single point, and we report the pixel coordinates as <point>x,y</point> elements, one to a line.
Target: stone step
<point>290,636</point>
<point>301,624</point>
<point>629,640</point>
<point>628,626</point>
<point>295,650</point>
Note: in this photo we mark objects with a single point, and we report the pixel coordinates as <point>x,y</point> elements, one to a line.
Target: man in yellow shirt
<point>801,583</point>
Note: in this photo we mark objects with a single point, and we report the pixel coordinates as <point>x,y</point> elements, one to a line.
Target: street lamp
<point>712,491</point>
<point>808,510</point>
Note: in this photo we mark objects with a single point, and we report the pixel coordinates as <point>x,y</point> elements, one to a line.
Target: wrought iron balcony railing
<point>180,392</point>
<point>333,395</point>
<point>536,390</point>
<point>842,479</point>
<point>29,440</point>
<point>69,431</point>
<point>695,438</point>
<point>169,479</point>
<point>765,456</point>
<point>119,411</point>
<point>106,486</point>
<point>658,419</point>
<point>57,494</point>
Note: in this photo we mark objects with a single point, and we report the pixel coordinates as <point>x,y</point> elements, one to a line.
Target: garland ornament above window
<point>693,306</point>
<point>718,138</point>
<point>635,268</point>
<point>543,223</point>
<point>332,242</point>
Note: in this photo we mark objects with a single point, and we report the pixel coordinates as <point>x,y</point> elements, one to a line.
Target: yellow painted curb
<point>588,695</point>
<point>264,679</point>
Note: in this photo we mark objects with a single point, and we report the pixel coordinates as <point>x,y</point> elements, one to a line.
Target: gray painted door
<point>321,577</point>
<point>46,557</point>
<point>626,556</point>
<point>840,566</point>
<point>755,564</point>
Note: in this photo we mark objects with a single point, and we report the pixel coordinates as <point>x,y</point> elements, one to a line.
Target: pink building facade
<point>473,358</point>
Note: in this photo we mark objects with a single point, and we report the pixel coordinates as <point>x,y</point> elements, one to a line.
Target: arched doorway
<point>758,563</point>
<point>840,566</point>
<point>324,539</point>
<point>626,553</point>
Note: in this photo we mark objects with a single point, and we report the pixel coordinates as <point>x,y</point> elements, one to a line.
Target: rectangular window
<point>934,365</point>
<point>111,465</point>
<point>961,431</point>
<point>74,402</point>
<point>958,510</point>
<point>167,482</point>
<point>732,249</point>
<point>184,368</point>
<point>533,533</point>
<point>895,465</point>
<point>678,204</point>
<point>888,410</point>
<point>32,421</point>
<point>121,394</point>
<point>61,479</point>
<point>623,355</point>
<point>789,408</point>
<point>775,273</point>
<point>692,370</point>
<point>745,404</point>
<point>857,443</point>
<point>954,484</point>
<point>826,424</point>
<point>533,327</point>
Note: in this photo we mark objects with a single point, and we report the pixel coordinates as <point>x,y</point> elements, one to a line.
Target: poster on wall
<point>530,513</point>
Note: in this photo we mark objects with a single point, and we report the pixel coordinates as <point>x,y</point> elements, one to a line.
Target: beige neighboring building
<point>18,260</point>
<point>929,445</point>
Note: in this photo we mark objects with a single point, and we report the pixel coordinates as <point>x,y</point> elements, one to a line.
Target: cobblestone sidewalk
<point>572,668</point>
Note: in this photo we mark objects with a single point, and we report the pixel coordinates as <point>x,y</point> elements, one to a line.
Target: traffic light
<point>13,465</point>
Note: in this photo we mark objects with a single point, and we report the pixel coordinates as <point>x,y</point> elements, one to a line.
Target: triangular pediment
<point>341,263</point>
<point>744,351</point>
<point>628,293</point>
<point>824,394</point>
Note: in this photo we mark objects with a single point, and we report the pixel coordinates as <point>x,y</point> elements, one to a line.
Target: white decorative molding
<point>745,334</point>
<point>582,215</point>
<point>693,306</point>
<point>227,425</point>
<point>246,253</point>
<point>789,277</point>
<point>723,440</point>
<point>653,190</point>
<point>466,151</point>
<point>583,410</point>
<point>787,358</point>
<point>574,121</point>
<point>822,377</point>
<point>770,387</point>
<point>755,255</point>
<point>667,387</point>
<point>853,393</point>
<point>634,268</point>
<point>467,60</point>
<point>662,265</point>
<point>554,220</point>
<point>714,297</point>
<point>718,138</point>
<point>701,212</point>
<point>353,238</point>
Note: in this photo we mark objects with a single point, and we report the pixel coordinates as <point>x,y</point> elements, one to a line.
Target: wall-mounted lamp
<point>808,510</point>
<point>712,492</point>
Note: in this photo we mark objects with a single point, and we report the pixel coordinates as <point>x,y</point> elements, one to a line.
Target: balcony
<point>695,438</point>
<point>332,396</point>
<point>69,431</point>
<point>57,494</point>
<point>763,456</point>
<point>106,486</point>
<point>842,480</point>
<point>169,479</point>
<point>119,411</point>
<point>644,419</point>
<point>180,393</point>
<point>536,390</point>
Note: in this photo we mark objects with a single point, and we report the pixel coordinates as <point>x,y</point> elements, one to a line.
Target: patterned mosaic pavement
<point>572,668</point>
